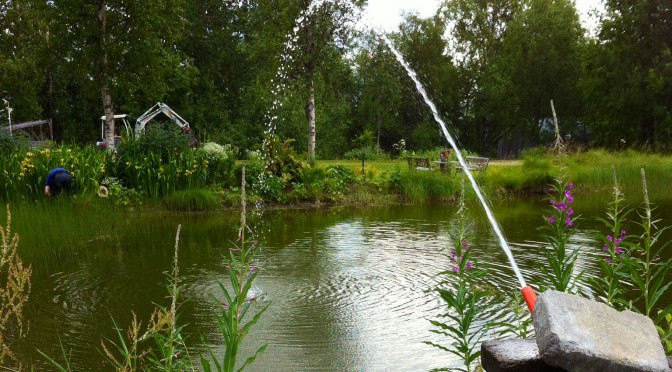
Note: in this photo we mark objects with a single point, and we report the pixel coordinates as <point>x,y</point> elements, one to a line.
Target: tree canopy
<point>491,67</point>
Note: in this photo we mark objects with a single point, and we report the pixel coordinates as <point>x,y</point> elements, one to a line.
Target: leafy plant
<point>558,230</point>
<point>465,299</point>
<point>665,332</point>
<point>221,160</point>
<point>610,284</point>
<point>520,326</point>
<point>281,160</point>
<point>647,270</point>
<point>560,225</point>
<point>237,300</point>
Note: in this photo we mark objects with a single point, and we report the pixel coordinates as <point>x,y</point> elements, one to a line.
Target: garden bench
<point>474,163</point>
<point>419,163</point>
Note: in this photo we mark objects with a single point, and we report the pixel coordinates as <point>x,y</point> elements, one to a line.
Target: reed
<point>14,292</point>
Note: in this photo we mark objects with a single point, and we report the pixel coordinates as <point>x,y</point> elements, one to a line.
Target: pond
<point>348,287</point>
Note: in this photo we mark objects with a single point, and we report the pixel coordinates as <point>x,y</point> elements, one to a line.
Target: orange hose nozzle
<point>530,297</point>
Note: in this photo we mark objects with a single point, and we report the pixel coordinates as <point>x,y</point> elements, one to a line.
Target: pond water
<point>348,287</point>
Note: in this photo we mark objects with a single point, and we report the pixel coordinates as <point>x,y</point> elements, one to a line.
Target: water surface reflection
<point>349,288</point>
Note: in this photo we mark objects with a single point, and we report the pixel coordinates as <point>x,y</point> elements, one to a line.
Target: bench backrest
<point>477,163</point>
<point>418,162</point>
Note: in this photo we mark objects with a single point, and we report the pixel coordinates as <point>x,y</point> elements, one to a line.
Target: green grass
<point>591,171</point>
<point>192,200</point>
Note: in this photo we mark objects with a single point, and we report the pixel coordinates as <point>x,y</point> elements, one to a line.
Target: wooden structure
<point>37,132</point>
<point>474,163</point>
<point>419,163</point>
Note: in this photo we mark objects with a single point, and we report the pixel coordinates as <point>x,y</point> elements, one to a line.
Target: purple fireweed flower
<point>455,269</point>
<point>618,240</point>
<point>452,252</point>
<point>253,270</point>
<point>551,220</point>
<point>570,185</point>
<point>568,222</point>
<point>609,238</point>
<point>623,233</point>
<point>618,250</point>
<point>553,202</point>
<point>605,248</point>
<point>607,260</point>
<point>469,265</point>
<point>570,211</point>
<point>570,199</point>
<point>568,194</point>
<point>561,207</point>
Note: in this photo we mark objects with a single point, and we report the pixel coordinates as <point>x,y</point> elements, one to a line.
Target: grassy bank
<point>181,178</point>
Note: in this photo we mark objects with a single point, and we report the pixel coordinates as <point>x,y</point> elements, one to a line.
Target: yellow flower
<point>29,154</point>
<point>69,151</point>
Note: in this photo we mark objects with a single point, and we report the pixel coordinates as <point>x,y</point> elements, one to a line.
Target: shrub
<point>368,152</point>
<point>281,159</point>
<point>12,144</point>
<point>164,140</point>
<point>221,162</point>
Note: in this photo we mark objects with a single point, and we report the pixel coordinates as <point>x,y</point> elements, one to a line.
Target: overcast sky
<point>386,13</point>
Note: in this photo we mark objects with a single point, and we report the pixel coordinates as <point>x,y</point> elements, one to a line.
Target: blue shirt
<point>52,174</point>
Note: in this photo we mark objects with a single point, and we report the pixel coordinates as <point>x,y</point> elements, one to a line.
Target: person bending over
<point>59,180</point>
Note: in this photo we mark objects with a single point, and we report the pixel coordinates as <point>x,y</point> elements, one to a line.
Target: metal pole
<point>9,115</point>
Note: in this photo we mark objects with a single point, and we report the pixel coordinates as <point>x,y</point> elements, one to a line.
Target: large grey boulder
<point>578,334</point>
<point>517,355</point>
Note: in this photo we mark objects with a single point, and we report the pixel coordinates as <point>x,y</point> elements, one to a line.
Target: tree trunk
<point>109,117</point>
<point>310,115</point>
<point>108,109</point>
<point>379,122</point>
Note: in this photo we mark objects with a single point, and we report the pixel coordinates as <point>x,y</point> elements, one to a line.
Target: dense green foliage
<point>229,67</point>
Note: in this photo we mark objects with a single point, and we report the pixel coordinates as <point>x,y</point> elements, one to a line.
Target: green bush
<point>221,162</point>
<point>281,159</point>
<point>368,152</point>
<point>159,139</point>
<point>12,144</point>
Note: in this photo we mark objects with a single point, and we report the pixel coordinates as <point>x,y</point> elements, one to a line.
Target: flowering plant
<point>466,300</point>
<point>614,245</point>
<point>559,228</point>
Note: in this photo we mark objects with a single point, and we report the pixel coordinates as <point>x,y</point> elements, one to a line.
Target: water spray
<point>527,291</point>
